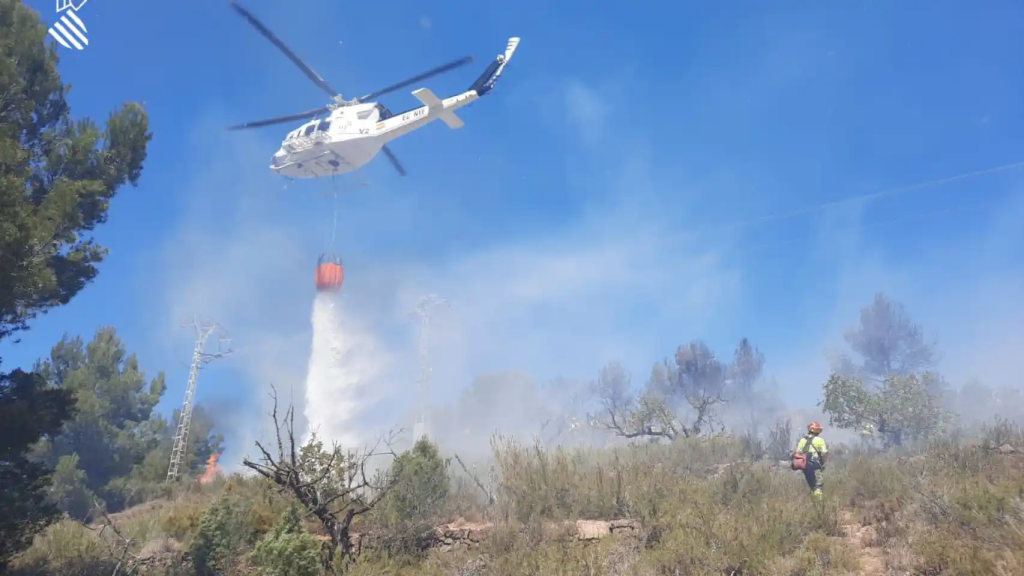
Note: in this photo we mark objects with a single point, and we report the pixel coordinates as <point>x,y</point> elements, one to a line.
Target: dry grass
<point>954,507</point>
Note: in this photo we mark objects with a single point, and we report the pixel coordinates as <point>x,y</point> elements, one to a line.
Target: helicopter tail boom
<point>436,106</point>
<point>485,83</point>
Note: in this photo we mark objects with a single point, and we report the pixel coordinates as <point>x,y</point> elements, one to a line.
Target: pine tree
<point>57,178</point>
<point>112,432</point>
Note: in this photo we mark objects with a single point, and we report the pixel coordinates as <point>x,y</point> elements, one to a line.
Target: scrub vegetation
<point>702,506</point>
<point>685,472</point>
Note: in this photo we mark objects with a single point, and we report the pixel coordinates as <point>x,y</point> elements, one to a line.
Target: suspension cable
<point>334,224</point>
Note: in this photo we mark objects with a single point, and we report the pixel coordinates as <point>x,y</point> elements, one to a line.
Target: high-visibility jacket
<point>816,448</point>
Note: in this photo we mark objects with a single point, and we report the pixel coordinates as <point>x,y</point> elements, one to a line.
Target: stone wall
<point>463,534</point>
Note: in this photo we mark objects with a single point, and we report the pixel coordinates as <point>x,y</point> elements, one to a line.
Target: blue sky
<point>640,177</point>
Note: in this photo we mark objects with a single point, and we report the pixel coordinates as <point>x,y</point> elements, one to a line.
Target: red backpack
<point>800,460</point>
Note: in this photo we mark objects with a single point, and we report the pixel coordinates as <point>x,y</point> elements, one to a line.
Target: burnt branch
<point>635,422</point>
<point>332,485</point>
<point>679,400</point>
<point>476,480</point>
<point>121,553</point>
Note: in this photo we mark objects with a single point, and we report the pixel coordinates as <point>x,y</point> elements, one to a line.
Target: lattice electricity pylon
<point>199,359</point>
<point>424,308</point>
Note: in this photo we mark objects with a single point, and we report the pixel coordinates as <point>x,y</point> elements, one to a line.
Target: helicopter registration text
<point>414,114</point>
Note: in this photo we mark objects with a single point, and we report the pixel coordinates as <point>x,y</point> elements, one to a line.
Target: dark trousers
<point>812,474</point>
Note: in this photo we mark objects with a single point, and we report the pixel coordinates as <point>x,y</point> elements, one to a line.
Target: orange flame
<point>212,470</point>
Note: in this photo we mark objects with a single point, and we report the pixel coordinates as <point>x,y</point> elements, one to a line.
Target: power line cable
<point>870,196</point>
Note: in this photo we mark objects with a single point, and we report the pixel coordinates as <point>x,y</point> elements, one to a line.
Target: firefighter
<point>813,445</point>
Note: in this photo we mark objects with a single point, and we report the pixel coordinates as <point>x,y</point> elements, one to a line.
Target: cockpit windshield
<point>320,126</point>
<point>383,111</point>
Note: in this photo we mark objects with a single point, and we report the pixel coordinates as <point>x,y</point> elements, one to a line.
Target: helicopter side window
<point>309,129</point>
<point>324,126</point>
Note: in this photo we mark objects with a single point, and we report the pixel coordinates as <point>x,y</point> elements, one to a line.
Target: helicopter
<point>355,130</point>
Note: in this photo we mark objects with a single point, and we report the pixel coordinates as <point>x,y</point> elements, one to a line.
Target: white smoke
<point>343,361</point>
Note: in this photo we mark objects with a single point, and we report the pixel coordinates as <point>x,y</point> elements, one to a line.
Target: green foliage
<point>146,479</point>
<point>287,550</point>
<point>332,486</point>
<point>113,430</point>
<point>335,475</point>
<point>223,529</point>
<point>29,411</point>
<point>69,488</point>
<point>849,403</point>
<point>203,441</point>
<point>901,408</point>
<point>67,548</point>
<point>335,470</point>
<point>58,175</point>
<point>421,482</point>
<point>413,505</point>
<point>946,507</point>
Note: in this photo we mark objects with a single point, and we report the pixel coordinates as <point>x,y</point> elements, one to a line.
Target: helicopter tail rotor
<point>485,83</point>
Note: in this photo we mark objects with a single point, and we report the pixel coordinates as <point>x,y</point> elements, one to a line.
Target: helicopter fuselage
<point>353,134</point>
<point>355,131</point>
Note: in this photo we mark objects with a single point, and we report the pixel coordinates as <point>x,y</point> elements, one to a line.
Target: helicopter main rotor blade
<point>309,72</point>
<point>439,70</point>
<point>394,160</point>
<point>280,119</point>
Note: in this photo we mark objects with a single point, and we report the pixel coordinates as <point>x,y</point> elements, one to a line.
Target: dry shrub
<point>594,484</point>
<point>954,506</point>
<point>864,479</point>
<point>66,547</point>
<point>971,525</point>
<point>182,519</point>
<point>819,555</point>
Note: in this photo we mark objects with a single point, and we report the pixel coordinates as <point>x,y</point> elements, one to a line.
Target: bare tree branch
<point>490,495</point>
<point>677,401</point>
<point>124,556</point>
<point>332,485</point>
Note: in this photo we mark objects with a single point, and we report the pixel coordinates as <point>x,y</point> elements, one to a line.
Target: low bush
<point>705,506</point>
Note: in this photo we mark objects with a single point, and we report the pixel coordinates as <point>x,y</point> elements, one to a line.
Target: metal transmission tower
<point>424,308</point>
<point>199,359</point>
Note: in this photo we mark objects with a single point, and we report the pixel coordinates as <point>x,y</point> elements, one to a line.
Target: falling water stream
<point>340,362</point>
